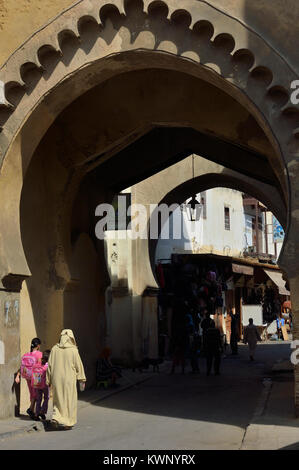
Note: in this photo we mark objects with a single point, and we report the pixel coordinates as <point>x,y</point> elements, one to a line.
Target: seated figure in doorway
<point>106,373</point>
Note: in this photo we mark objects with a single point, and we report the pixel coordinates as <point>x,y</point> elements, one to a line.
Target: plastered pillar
<point>9,352</point>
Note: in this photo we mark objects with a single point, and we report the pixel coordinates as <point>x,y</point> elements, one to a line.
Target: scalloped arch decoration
<point>197,32</point>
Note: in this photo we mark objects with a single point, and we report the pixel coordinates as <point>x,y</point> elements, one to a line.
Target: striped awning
<point>276,277</point>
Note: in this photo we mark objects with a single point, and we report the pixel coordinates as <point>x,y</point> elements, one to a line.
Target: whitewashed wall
<point>209,234</point>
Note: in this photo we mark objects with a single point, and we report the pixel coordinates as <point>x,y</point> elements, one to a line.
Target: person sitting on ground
<point>106,371</point>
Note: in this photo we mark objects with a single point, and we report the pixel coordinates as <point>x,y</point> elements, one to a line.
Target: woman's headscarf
<point>67,339</point>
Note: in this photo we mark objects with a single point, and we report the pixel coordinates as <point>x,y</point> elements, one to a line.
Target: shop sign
<point>241,269</point>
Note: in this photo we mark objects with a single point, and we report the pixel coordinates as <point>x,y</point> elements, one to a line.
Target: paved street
<point>170,411</point>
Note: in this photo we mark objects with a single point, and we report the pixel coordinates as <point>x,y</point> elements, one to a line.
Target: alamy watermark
<point>140,221</point>
<point>295,354</point>
<point>295,94</point>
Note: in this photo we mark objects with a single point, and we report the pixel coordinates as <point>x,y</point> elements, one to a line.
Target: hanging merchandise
<point>224,286</point>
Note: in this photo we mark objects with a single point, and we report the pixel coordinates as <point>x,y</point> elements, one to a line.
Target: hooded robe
<point>64,369</point>
<point>251,336</point>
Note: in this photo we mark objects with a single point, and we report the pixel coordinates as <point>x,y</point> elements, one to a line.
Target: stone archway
<point>175,185</point>
<point>35,69</point>
<point>84,48</point>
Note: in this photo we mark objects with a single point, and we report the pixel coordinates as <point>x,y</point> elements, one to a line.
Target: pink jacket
<point>38,355</point>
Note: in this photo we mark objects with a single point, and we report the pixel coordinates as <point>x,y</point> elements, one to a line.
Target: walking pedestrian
<point>251,336</point>
<point>180,336</point>
<point>179,353</point>
<point>214,348</point>
<point>205,325</point>
<point>194,353</point>
<point>27,362</point>
<point>234,336</point>
<point>41,387</point>
<point>64,369</point>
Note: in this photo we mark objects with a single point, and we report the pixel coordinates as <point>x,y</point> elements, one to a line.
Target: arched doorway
<point>108,97</point>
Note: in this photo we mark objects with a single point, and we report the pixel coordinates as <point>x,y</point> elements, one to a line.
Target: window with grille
<point>226,218</point>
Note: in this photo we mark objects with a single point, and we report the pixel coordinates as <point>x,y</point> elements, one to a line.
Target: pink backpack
<point>38,376</point>
<point>27,362</point>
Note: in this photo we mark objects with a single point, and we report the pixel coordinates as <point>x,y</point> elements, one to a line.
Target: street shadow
<point>25,418</point>
<point>291,447</point>
<point>230,398</point>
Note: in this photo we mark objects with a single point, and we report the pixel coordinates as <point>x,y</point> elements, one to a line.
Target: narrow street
<point>170,411</point>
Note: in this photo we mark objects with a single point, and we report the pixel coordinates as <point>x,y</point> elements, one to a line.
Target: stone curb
<point>260,407</point>
<point>34,427</point>
<point>263,400</point>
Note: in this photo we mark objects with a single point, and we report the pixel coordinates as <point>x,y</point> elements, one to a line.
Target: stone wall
<point>18,23</point>
<point>9,352</point>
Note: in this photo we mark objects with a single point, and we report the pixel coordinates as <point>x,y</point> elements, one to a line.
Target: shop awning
<point>242,269</point>
<point>276,277</point>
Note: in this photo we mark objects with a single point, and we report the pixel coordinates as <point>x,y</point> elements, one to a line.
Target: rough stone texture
<point>10,336</point>
<point>21,20</point>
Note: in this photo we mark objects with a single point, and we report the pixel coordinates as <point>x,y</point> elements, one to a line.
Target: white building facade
<point>226,227</point>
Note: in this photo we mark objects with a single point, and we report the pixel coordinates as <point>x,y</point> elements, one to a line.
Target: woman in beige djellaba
<point>64,369</point>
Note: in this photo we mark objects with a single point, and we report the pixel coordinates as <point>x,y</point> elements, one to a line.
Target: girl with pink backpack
<point>38,382</point>
<point>27,362</point>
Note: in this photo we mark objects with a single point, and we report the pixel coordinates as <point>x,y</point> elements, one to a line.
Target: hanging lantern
<point>194,209</point>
